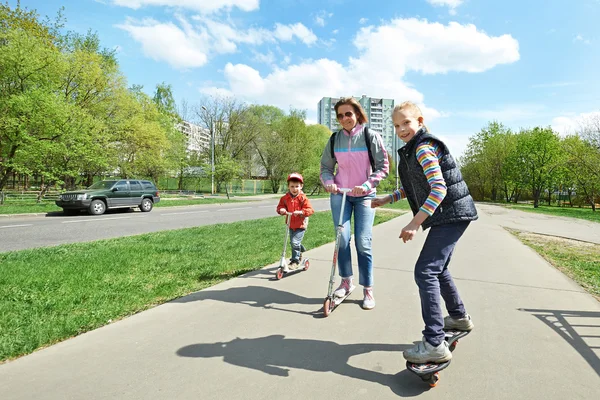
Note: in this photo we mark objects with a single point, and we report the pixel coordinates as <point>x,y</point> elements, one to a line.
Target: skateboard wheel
<point>306,265</point>
<point>279,274</point>
<point>327,307</point>
<point>434,380</point>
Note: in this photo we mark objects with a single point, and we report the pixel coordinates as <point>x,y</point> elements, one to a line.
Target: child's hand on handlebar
<point>282,211</point>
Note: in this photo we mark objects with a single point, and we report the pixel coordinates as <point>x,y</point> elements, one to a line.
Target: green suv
<point>99,197</point>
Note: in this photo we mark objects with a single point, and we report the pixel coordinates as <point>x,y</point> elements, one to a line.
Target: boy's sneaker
<point>368,300</point>
<point>293,264</point>
<point>461,324</point>
<point>424,352</point>
<point>345,287</point>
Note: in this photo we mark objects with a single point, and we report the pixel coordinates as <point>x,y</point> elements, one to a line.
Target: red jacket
<point>291,204</point>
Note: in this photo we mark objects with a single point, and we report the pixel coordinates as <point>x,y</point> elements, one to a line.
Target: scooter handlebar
<point>342,190</point>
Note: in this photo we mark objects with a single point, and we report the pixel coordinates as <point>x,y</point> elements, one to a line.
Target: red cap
<point>295,176</point>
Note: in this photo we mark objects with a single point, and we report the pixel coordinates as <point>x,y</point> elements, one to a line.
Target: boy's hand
<point>380,201</point>
<point>408,232</point>
<point>282,211</point>
<point>298,213</point>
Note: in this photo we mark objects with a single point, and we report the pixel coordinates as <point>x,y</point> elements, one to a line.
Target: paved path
<point>542,223</point>
<point>537,336</point>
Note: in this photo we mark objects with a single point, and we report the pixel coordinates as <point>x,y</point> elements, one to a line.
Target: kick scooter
<point>283,268</point>
<point>331,302</point>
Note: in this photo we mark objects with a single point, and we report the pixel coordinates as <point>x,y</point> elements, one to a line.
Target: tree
<point>538,158</point>
<point>583,163</point>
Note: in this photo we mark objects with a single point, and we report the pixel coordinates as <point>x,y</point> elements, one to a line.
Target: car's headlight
<point>82,196</point>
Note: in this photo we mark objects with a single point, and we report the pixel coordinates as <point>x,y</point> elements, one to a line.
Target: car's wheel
<point>97,207</point>
<point>146,205</point>
<point>70,211</point>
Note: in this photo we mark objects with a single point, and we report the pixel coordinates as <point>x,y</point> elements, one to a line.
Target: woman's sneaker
<point>345,288</point>
<point>461,324</point>
<point>424,352</point>
<point>369,300</point>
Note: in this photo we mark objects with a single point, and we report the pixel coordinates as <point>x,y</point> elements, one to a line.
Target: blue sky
<point>467,62</point>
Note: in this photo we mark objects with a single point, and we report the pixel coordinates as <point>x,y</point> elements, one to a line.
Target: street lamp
<point>212,154</point>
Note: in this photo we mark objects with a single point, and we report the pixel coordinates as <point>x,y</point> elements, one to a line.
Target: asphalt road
<point>25,232</point>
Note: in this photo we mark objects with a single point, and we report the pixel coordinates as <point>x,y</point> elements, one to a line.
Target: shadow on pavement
<point>255,296</point>
<point>557,320</point>
<point>276,355</point>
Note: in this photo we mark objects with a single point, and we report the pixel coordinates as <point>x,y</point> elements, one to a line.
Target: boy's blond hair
<point>410,107</point>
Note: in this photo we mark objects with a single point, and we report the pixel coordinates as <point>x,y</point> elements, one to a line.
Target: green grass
<point>399,205</point>
<point>578,260</point>
<point>573,212</point>
<point>32,207</point>
<point>50,294</point>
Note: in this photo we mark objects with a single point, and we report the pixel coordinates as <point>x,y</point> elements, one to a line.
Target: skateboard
<point>430,372</point>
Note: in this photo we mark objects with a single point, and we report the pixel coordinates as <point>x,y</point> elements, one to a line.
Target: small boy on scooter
<point>295,202</point>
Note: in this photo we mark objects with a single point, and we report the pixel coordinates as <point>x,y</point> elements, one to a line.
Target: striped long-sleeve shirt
<point>428,155</point>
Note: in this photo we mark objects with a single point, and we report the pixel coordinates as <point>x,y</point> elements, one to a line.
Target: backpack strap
<point>367,140</point>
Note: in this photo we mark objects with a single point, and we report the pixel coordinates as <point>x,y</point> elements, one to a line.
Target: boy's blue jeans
<point>433,278</point>
<point>364,216</point>
<point>296,236</point>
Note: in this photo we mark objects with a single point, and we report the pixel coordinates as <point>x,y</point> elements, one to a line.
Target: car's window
<point>148,185</point>
<point>122,186</point>
<point>102,185</point>
<point>135,185</point>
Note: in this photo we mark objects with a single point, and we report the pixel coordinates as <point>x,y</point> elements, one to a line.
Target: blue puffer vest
<point>458,204</point>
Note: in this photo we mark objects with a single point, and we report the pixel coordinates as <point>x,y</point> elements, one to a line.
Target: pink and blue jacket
<point>352,158</point>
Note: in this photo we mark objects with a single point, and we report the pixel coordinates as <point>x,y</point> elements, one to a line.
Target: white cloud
<point>580,38</point>
<point>187,45</point>
<point>287,33</point>
<point>320,18</point>
<point>451,4</point>
<point>554,85</point>
<point>203,6</point>
<point>363,21</point>
<point>217,92</point>
<point>506,113</point>
<point>456,142</point>
<point>335,31</point>
<point>570,124</point>
<point>376,71</point>
<point>268,58</point>
<point>181,48</point>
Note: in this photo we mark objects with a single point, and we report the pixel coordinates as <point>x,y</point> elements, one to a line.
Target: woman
<point>362,163</point>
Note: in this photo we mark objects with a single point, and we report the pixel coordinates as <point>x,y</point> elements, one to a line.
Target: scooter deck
<point>429,372</point>
<point>333,302</point>
<point>303,266</point>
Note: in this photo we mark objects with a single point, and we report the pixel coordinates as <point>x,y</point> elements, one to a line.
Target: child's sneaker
<point>424,352</point>
<point>461,324</point>
<point>345,287</point>
<point>293,265</point>
<point>369,300</point>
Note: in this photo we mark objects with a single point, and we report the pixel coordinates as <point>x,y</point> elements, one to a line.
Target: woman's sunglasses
<point>346,114</point>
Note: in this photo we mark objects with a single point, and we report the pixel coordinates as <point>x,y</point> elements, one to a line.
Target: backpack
<point>367,140</point>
